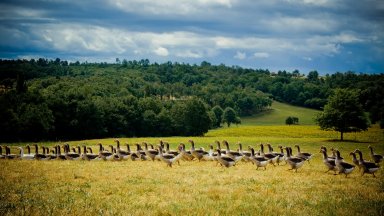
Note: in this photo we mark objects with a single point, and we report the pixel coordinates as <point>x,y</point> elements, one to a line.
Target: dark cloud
<point>327,35</point>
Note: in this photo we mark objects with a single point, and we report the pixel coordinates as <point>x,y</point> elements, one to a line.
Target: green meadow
<point>202,188</point>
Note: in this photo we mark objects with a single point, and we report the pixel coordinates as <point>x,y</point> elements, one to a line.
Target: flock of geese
<point>225,157</point>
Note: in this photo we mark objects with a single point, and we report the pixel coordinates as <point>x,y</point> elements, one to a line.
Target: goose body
<point>246,154</point>
<point>280,155</point>
<point>197,153</point>
<point>39,156</point>
<point>1,153</point>
<point>25,156</point>
<point>343,167</point>
<point>8,154</point>
<point>272,157</point>
<point>375,157</point>
<point>224,160</point>
<point>294,162</point>
<point>186,155</point>
<point>235,155</point>
<point>103,154</point>
<point>169,159</point>
<point>151,153</point>
<point>330,164</point>
<point>258,160</point>
<point>89,156</point>
<point>367,167</point>
<point>305,155</point>
<point>71,155</point>
<point>121,154</point>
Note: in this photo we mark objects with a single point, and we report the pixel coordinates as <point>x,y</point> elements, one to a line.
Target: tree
<point>292,120</point>
<point>289,120</point>
<point>313,76</point>
<point>343,113</point>
<point>230,116</point>
<point>218,111</point>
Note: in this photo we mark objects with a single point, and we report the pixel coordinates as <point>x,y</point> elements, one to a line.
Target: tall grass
<point>198,188</point>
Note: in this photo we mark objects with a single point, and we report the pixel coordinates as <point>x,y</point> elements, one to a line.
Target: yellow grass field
<point>198,188</point>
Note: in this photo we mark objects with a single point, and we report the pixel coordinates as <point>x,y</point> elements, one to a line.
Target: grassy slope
<point>279,112</point>
<point>199,188</point>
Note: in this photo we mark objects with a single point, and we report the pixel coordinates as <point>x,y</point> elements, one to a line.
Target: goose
<point>330,164</point>
<point>8,154</point>
<point>282,152</point>
<point>104,154</point>
<point>294,162</point>
<point>235,155</point>
<point>211,155</point>
<point>29,151</point>
<point>334,154</point>
<point>151,153</point>
<point>133,155</point>
<point>375,157</point>
<point>186,155</point>
<point>140,152</point>
<point>307,156</point>
<point>272,157</point>
<point>1,153</point>
<point>223,151</point>
<point>197,153</point>
<point>115,155</point>
<point>121,154</point>
<point>225,160</point>
<point>89,156</point>
<point>39,156</point>
<point>169,159</point>
<point>246,154</point>
<point>368,167</point>
<point>71,155</point>
<point>342,166</point>
<point>333,157</point>
<point>25,156</point>
<point>280,156</point>
<point>258,160</point>
<point>167,150</point>
<point>59,155</point>
<point>354,159</point>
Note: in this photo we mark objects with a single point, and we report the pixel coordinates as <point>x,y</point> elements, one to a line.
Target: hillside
<point>279,112</point>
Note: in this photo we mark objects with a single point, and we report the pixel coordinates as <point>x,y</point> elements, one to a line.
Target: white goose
<point>25,156</point>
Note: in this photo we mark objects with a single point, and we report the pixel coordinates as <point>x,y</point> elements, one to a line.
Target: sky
<point>324,35</point>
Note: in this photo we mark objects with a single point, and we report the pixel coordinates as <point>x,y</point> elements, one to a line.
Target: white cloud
<point>161,51</point>
<point>169,7</point>
<point>240,55</point>
<point>261,55</point>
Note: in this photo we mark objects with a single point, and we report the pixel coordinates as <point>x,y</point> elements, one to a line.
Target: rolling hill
<point>279,112</point>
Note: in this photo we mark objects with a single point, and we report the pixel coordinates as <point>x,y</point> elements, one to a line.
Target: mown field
<point>198,188</point>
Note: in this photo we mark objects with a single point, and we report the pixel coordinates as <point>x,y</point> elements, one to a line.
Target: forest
<point>52,99</point>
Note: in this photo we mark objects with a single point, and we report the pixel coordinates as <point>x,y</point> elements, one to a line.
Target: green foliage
<point>230,116</point>
<point>133,98</point>
<point>218,113</point>
<point>291,120</point>
<point>343,113</point>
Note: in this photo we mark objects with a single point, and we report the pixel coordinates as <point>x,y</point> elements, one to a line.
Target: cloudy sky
<point>323,35</point>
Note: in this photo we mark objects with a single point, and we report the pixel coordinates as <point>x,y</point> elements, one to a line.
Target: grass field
<point>198,188</point>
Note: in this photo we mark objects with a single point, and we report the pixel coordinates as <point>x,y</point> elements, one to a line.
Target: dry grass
<point>196,188</point>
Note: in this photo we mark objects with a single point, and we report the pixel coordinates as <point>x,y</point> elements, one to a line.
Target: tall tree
<point>218,111</point>
<point>230,116</point>
<point>343,113</point>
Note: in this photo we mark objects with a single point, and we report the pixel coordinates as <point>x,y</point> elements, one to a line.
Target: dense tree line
<point>55,99</point>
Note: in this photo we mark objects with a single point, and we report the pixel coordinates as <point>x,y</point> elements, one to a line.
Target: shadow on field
<point>347,141</point>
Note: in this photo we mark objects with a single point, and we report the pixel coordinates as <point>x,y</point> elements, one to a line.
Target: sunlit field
<point>198,188</point>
